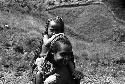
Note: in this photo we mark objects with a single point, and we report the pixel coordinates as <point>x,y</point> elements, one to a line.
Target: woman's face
<point>64,52</point>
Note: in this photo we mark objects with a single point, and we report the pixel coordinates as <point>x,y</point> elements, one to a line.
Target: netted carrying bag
<point>47,68</point>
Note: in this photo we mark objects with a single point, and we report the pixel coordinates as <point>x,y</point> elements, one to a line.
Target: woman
<point>61,53</point>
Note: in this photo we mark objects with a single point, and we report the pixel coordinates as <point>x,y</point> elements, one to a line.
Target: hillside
<point>96,34</point>
<point>91,24</point>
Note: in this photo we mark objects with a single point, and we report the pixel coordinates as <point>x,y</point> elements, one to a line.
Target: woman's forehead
<point>65,48</point>
<point>52,23</point>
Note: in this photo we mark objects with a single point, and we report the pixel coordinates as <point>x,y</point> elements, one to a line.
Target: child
<point>55,30</point>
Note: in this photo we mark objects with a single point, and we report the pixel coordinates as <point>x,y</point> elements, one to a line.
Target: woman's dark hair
<point>59,26</point>
<point>57,46</point>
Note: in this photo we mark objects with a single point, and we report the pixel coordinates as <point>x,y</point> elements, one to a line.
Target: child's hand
<point>39,61</point>
<point>47,40</point>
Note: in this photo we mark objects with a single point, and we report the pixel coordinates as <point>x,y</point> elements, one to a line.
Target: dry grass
<point>97,25</point>
<point>94,34</point>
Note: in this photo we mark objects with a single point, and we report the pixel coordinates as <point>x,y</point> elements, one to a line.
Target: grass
<point>95,23</point>
<point>87,21</point>
<point>91,29</point>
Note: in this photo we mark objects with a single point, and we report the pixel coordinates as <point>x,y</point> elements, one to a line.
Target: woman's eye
<point>52,30</point>
<point>62,54</point>
<point>66,53</point>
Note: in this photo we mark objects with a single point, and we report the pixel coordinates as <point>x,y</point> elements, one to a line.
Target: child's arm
<point>47,40</point>
<point>46,43</point>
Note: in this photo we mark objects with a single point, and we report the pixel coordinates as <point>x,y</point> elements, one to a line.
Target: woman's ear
<point>52,53</point>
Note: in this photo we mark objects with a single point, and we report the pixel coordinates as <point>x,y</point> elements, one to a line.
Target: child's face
<point>51,29</point>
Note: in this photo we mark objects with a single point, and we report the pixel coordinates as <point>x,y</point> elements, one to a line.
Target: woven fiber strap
<point>77,74</point>
<point>57,38</point>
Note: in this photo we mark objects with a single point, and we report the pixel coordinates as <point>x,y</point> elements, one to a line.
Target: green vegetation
<point>97,39</point>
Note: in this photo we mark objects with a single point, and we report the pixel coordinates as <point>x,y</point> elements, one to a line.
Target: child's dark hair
<point>59,22</point>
